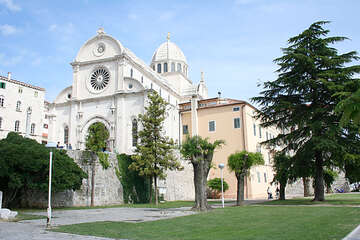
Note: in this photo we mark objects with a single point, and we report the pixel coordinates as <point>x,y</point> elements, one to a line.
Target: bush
<point>215,187</point>
<point>24,167</point>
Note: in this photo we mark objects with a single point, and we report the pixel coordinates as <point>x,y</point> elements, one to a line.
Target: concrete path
<point>354,235</point>
<point>35,229</point>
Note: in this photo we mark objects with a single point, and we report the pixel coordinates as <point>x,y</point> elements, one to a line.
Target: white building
<point>21,108</point>
<point>110,86</point>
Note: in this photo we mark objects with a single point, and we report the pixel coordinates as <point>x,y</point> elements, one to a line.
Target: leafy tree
<point>199,151</point>
<point>329,178</point>
<point>303,98</point>
<point>96,143</point>
<point>97,137</point>
<point>283,171</point>
<point>241,163</point>
<point>215,185</point>
<point>154,154</point>
<point>24,167</point>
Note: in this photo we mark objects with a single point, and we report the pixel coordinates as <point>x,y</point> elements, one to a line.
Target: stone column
<point>194,117</point>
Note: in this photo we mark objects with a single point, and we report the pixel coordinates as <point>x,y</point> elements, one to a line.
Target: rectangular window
<point>236,122</point>
<point>20,90</point>
<point>185,129</point>
<point>212,126</point>
<point>254,126</point>
<point>259,131</point>
<point>236,109</point>
<point>267,136</point>
<point>2,85</point>
<point>36,93</point>
<point>265,179</point>
<point>258,177</point>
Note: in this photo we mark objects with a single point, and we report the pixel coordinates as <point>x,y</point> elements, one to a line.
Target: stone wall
<point>179,185</point>
<point>108,189</point>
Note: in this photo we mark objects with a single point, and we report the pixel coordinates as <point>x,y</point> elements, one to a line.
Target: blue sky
<point>233,42</point>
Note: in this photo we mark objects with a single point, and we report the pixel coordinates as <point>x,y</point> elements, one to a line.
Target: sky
<point>233,42</point>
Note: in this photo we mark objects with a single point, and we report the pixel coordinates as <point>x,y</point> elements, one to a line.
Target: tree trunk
<point>201,170</point>
<point>156,191</point>
<point>93,181</point>
<point>319,178</point>
<point>306,183</point>
<point>150,190</point>
<point>282,191</point>
<point>240,189</point>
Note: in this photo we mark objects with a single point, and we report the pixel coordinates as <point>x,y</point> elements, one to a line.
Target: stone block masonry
<point>108,188</point>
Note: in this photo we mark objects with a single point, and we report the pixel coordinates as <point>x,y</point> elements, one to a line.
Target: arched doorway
<point>97,138</point>
<point>84,131</point>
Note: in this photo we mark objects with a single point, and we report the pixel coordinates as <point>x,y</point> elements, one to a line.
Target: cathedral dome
<point>169,58</point>
<point>169,51</point>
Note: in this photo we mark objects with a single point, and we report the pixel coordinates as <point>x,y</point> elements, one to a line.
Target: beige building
<point>21,108</point>
<point>233,121</point>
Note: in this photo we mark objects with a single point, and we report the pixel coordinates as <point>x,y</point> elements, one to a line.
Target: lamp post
<point>221,166</point>
<point>50,145</point>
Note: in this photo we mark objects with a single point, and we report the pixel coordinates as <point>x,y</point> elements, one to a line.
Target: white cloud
<point>7,29</point>
<point>64,32</point>
<point>10,5</point>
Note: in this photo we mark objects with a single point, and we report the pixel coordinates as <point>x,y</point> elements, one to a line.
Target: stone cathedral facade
<point>110,85</point>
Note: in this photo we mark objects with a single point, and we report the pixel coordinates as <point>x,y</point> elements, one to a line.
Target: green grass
<point>249,222</point>
<point>331,199</point>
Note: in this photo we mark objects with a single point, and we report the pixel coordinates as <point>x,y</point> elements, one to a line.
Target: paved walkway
<point>35,229</point>
<point>354,235</point>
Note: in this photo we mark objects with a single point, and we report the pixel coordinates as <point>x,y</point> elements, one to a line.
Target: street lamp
<point>221,166</point>
<point>50,145</point>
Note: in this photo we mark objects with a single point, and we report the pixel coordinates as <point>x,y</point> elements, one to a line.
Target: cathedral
<point>110,85</point>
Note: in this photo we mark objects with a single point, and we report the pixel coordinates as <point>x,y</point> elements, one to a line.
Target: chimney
<point>219,95</point>
<point>9,75</point>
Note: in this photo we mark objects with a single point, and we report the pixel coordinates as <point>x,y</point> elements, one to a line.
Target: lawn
<point>248,222</point>
<point>330,199</point>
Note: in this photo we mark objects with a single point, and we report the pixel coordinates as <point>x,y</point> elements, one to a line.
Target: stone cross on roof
<point>100,31</point>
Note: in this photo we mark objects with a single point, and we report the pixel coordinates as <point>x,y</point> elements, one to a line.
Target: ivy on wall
<point>135,187</point>
<point>103,159</point>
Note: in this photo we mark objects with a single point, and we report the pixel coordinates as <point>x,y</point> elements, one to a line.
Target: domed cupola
<point>169,58</point>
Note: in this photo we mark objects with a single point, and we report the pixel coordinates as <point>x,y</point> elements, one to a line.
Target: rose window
<point>99,79</point>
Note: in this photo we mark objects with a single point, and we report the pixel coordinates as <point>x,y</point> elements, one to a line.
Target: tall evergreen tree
<point>303,98</point>
<point>154,153</point>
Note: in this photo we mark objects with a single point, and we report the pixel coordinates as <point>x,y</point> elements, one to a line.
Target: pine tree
<point>154,153</point>
<point>303,98</point>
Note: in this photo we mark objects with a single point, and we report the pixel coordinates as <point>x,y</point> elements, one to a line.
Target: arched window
<point>134,132</point>
<point>179,67</point>
<point>172,67</point>
<point>159,68</point>
<point>18,106</point>
<point>32,129</point>
<point>142,79</point>
<point>66,135</point>
<point>2,99</point>
<point>17,125</point>
<point>0,122</point>
<point>165,67</point>
<point>131,73</point>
